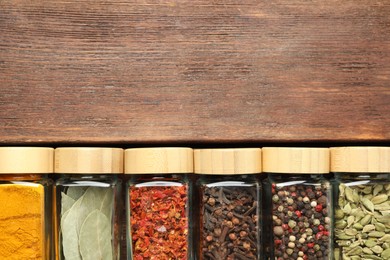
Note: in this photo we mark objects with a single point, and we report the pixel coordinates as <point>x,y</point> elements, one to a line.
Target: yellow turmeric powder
<point>22,223</point>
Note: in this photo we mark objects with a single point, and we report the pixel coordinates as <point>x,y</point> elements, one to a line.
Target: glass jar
<point>298,201</point>
<point>362,205</point>
<point>159,203</point>
<point>228,219</point>
<point>87,202</point>
<point>25,203</point>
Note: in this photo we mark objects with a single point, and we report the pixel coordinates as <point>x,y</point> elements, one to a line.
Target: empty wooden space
<point>194,71</point>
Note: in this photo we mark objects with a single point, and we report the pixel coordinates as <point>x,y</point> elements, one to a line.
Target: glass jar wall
<point>25,208</point>
<point>87,202</point>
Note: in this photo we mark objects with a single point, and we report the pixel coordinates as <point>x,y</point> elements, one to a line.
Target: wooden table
<point>194,72</point>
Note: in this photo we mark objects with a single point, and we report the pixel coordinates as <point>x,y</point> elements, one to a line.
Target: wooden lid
<point>228,161</point>
<point>14,160</point>
<point>159,160</point>
<point>291,160</point>
<point>360,159</point>
<point>88,160</point>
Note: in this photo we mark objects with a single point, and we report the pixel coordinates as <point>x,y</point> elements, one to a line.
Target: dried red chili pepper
<point>159,222</point>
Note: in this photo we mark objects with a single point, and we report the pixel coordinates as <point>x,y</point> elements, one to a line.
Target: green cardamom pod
<point>364,221</point>
<point>355,251</point>
<point>350,220</point>
<point>377,249</point>
<point>349,194</point>
<point>367,190</point>
<point>380,227</point>
<point>368,204</point>
<point>368,251</point>
<point>386,254</point>
<point>378,188</point>
<point>339,214</point>
<point>373,257</point>
<point>383,206</point>
<point>376,234</point>
<point>379,199</point>
<point>350,232</point>
<point>344,236</point>
<point>358,226</point>
<point>370,243</point>
<point>368,228</point>
<point>340,224</point>
<point>385,238</point>
<point>347,209</point>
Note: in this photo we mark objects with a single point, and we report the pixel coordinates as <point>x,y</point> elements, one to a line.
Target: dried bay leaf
<point>90,199</point>
<point>95,237</point>
<point>70,241</point>
<point>66,202</point>
<point>107,204</point>
<point>75,192</point>
<point>95,198</point>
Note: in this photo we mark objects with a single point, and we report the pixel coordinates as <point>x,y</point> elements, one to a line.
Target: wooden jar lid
<point>360,159</point>
<point>88,160</point>
<point>159,160</point>
<point>228,161</point>
<point>292,160</point>
<point>14,160</point>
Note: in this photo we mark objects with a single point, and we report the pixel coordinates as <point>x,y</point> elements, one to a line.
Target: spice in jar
<point>159,203</point>
<point>230,222</point>
<point>301,221</point>
<point>159,222</point>
<point>362,221</point>
<point>25,201</point>
<point>229,188</point>
<point>86,216</point>
<point>362,210</point>
<point>87,202</point>
<point>21,221</point>
<point>299,198</point>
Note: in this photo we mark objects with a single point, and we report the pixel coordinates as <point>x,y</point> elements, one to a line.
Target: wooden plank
<point>194,70</point>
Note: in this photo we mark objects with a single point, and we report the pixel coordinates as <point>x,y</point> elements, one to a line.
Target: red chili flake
<point>159,222</point>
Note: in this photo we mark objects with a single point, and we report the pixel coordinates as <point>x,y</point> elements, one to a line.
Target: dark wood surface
<point>192,70</point>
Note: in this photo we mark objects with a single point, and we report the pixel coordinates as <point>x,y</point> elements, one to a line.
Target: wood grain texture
<point>194,70</point>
